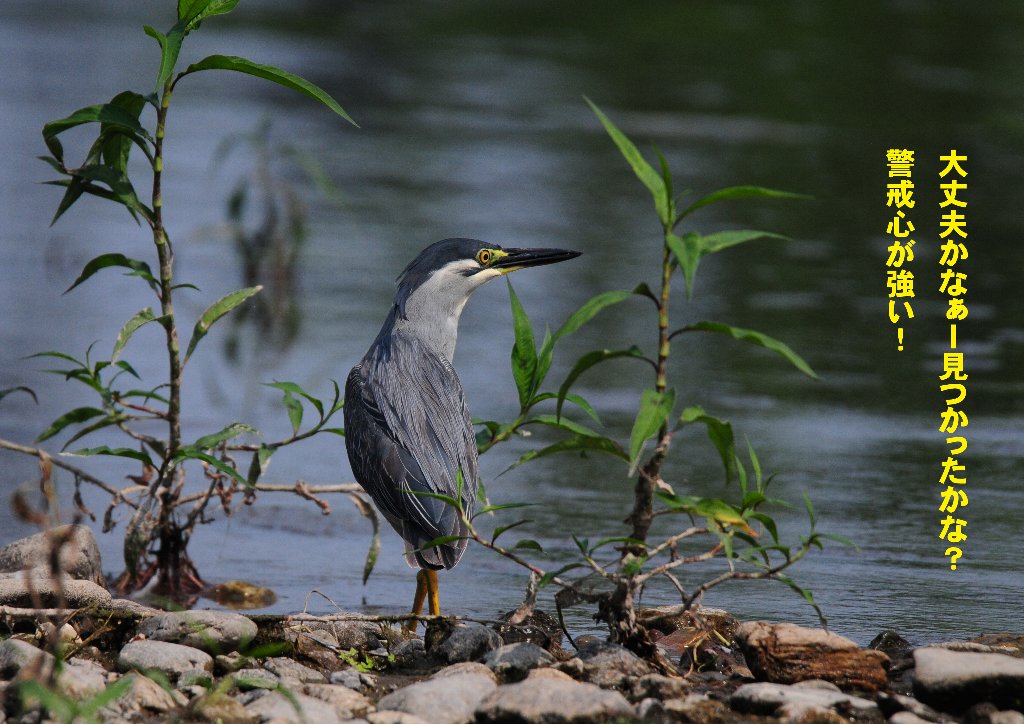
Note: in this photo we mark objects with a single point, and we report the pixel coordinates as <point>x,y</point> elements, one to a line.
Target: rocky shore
<point>124,662</point>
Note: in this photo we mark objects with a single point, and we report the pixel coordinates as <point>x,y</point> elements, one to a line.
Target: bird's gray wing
<point>408,431</point>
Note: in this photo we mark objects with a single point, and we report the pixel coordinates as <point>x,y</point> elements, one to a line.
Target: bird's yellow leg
<point>433,599</point>
<point>417,603</point>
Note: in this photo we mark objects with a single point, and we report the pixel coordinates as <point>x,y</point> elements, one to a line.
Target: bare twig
<point>37,452</point>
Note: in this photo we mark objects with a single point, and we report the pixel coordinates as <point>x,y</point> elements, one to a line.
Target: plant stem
<point>643,492</point>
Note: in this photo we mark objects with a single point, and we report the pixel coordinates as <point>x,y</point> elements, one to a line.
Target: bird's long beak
<point>522,258</point>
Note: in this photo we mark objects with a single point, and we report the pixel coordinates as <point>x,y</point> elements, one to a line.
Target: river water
<point>473,124</point>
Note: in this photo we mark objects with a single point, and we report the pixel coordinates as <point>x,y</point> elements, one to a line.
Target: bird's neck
<point>433,319</point>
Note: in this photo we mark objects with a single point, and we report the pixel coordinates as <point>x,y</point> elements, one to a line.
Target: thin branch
<point>38,452</point>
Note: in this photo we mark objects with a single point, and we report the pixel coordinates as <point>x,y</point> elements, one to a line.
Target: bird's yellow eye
<point>485,256</point>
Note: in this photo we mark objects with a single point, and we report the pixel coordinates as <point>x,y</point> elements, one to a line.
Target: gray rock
<point>447,700</point>
<point>794,702</point>
<point>272,706</point>
<point>21,592</point>
<point>216,706</point>
<point>411,654</point>
<point>465,667</point>
<point>293,671</point>
<point>697,708</point>
<point>347,704</point>
<point>195,677</point>
<point>610,665</point>
<point>79,557</point>
<point>346,677</point>
<point>467,642</point>
<point>170,659</point>
<point>656,686</point>
<point>954,680</point>
<point>394,717</point>
<point>82,679</point>
<point>553,701</point>
<point>16,654</point>
<point>216,632</point>
<point>144,699</point>
<point>1006,717</point>
<point>892,704</point>
<point>229,663</point>
<point>513,662</point>
<point>906,717</point>
<point>248,679</point>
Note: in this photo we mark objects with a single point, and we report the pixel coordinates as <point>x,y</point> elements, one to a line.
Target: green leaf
<point>655,407</point>
<point>260,463</point>
<point>528,544</point>
<point>573,398</point>
<point>617,539</point>
<point>711,243</point>
<point>446,499</point>
<point>643,170</point>
<point>296,389</point>
<point>762,340</point>
<point>116,145</point>
<point>768,522</point>
<point>72,417</point>
<point>113,116</point>
<point>120,452</point>
<point>89,429</point>
<point>719,432</point>
<point>580,443</point>
<point>524,351</point>
<point>19,388</point>
<point>197,11</point>
<point>140,318</point>
<point>561,423</point>
<point>501,506</point>
<point>233,430</point>
<point>294,409</point>
<point>589,309</point>
<point>104,261</point>
<point>587,361</point>
<point>267,72</point>
<point>214,312</point>
<point>34,694</point>
<point>502,528</point>
<point>192,453</point>
<point>551,575</point>
<point>806,594</point>
<point>738,192</point>
<point>112,693</point>
<point>121,189</point>
<point>687,251</point>
<point>170,48</point>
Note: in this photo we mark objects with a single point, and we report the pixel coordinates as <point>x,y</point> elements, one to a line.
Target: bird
<point>408,433</point>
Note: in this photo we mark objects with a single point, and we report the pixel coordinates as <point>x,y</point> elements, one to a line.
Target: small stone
<point>786,653</point>
<point>19,592</point>
<point>346,677</point>
<point>465,667</point>
<point>445,700</point>
<point>248,679</point>
<point>549,673</point>
<point>145,698</point>
<point>697,708</point>
<point>540,628</point>
<point>79,556</point>
<point>610,665</point>
<point>467,642</point>
<point>229,663</point>
<point>82,679</point>
<point>551,700</point>
<point>411,654</point>
<point>273,706</point>
<point>512,662</point>
<point>816,684</point>
<point>290,670</point>
<point>216,632</point>
<point>659,687</point>
<point>16,655</point>
<point>892,704</point>
<point>394,717</point>
<point>766,698</point>
<point>217,706</point>
<point>347,704</point>
<point>574,667</point>
<point>170,659</point>
<point>954,680</point>
<point>195,677</point>
<point>906,717</point>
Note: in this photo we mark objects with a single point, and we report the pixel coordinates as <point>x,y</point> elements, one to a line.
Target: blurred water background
<point>473,124</point>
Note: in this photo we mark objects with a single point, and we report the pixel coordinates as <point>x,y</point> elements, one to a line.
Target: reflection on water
<point>473,125</point>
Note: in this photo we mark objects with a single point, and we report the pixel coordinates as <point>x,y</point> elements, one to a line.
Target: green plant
<point>727,526</point>
<point>157,535</point>
<point>66,708</point>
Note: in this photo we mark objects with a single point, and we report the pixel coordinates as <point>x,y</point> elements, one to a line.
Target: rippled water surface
<point>473,124</point>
